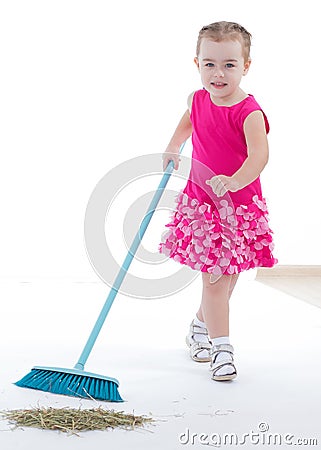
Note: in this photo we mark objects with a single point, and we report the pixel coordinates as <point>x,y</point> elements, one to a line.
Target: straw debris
<point>71,420</point>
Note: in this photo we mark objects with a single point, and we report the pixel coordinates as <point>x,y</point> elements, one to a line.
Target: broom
<point>77,382</point>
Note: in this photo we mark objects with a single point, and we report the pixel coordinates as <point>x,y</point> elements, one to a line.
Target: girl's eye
<point>229,65</point>
<point>209,65</point>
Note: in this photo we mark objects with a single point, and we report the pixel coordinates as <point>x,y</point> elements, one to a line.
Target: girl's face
<point>221,66</point>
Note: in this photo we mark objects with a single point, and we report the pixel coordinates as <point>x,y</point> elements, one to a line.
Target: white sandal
<point>196,347</point>
<point>215,366</point>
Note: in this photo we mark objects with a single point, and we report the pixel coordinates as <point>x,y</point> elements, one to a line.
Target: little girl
<point>220,225</point>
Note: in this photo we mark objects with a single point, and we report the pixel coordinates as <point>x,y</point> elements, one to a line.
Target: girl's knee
<point>221,282</point>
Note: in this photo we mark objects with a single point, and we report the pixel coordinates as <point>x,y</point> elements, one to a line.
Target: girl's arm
<point>257,148</point>
<point>258,155</point>
<point>182,132</point>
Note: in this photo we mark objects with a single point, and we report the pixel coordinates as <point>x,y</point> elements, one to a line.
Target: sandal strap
<point>216,366</point>
<point>196,329</point>
<point>216,349</point>
<point>199,346</point>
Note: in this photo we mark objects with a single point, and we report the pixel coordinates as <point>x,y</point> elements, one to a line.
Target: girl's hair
<point>221,31</point>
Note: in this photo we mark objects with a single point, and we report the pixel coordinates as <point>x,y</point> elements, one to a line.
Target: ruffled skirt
<point>219,239</point>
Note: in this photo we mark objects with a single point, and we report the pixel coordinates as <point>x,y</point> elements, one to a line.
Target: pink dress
<point>219,235</point>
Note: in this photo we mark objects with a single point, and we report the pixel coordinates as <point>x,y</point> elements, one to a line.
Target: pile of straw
<point>74,420</point>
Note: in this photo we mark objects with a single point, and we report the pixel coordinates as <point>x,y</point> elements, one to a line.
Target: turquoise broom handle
<point>123,270</point>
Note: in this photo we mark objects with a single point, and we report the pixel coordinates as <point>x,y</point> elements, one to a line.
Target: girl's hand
<point>221,184</point>
<point>171,156</point>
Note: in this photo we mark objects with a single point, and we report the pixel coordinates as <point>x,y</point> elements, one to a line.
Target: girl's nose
<point>219,73</point>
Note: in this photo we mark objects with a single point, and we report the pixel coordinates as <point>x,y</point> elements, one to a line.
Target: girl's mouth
<point>219,85</point>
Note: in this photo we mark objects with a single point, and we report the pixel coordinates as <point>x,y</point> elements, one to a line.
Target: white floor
<point>277,339</point>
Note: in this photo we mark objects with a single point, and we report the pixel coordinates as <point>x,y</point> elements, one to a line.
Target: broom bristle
<point>72,382</point>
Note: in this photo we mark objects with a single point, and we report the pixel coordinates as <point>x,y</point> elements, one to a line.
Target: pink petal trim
<point>222,239</point>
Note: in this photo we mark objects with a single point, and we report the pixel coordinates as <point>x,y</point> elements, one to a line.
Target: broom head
<point>73,382</point>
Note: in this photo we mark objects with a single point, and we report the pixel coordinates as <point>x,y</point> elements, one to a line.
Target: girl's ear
<point>247,66</point>
<point>196,62</point>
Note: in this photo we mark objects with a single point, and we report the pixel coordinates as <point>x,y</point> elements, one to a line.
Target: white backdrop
<point>86,85</point>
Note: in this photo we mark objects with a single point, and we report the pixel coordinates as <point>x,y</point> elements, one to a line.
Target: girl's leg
<point>232,282</point>
<point>199,333</point>
<point>215,309</point>
<point>215,305</point>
